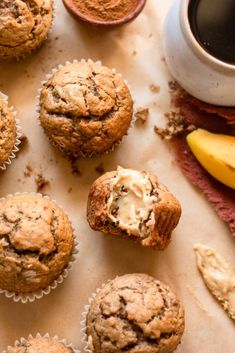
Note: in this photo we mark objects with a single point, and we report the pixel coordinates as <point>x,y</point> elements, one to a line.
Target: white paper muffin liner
<point>23,340</point>
<point>18,135</point>
<point>31,297</point>
<point>82,154</point>
<point>84,339</point>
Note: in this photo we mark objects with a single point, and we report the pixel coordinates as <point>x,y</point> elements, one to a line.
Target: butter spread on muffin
<point>131,201</point>
<point>36,242</point>
<point>7,131</point>
<point>39,345</point>
<point>85,108</point>
<point>24,25</point>
<point>135,313</point>
<point>135,205</point>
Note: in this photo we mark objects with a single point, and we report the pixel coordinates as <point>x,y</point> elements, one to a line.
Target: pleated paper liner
<point>86,342</point>
<point>23,341</point>
<point>81,154</point>
<point>18,135</point>
<point>31,297</point>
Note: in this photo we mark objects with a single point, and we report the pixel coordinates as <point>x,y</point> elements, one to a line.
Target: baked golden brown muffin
<point>36,242</point>
<point>39,345</point>
<point>135,313</point>
<point>7,132</point>
<point>85,108</point>
<point>24,25</point>
<point>135,205</point>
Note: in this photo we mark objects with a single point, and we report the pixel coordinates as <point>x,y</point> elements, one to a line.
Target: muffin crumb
<point>176,125</point>
<point>154,88</point>
<point>100,169</point>
<point>142,114</point>
<point>41,182</point>
<point>28,171</point>
<point>74,168</point>
<point>23,141</point>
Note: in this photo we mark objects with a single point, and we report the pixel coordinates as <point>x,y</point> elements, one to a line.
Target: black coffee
<point>213,24</point>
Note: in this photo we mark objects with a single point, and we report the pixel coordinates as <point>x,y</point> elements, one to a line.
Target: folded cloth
<point>193,112</point>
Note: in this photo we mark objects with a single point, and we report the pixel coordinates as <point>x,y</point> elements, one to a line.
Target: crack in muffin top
<point>36,242</point>
<point>28,227</point>
<point>7,131</point>
<point>135,313</point>
<point>24,24</point>
<point>82,90</point>
<point>85,108</point>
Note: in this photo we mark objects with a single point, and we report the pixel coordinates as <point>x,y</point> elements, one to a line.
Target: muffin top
<point>23,25</point>
<point>135,313</point>
<point>40,345</point>
<point>85,107</point>
<point>7,131</point>
<point>36,242</point>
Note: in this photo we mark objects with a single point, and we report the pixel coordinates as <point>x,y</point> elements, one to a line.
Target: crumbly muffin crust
<point>154,231</point>
<point>40,345</point>
<point>135,313</point>
<point>36,242</point>
<point>24,25</point>
<point>7,131</point>
<point>85,108</point>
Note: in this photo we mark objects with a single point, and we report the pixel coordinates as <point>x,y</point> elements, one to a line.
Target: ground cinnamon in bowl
<point>105,12</point>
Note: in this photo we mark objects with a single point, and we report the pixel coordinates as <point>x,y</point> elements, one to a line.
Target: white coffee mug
<point>198,72</point>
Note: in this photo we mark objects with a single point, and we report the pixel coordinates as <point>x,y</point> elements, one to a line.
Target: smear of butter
<point>130,205</point>
<point>218,275</point>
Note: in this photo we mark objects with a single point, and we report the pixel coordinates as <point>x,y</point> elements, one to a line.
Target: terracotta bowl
<point>71,7</point>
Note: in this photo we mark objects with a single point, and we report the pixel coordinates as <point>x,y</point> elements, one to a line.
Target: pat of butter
<point>130,204</point>
<point>218,275</point>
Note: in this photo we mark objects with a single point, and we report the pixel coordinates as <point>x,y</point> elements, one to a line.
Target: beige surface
<point>208,329</point>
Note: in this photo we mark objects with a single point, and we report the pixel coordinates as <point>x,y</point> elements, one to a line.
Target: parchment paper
<point>136,52</point>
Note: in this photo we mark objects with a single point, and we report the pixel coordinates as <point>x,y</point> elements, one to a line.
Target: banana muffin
<point>85,108</point>
<point>24,25</point>
<point>7,132</point>
<point>135,313</point>
<point>134,205</point>
<point>36,242</point>
<point>39,345</point>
